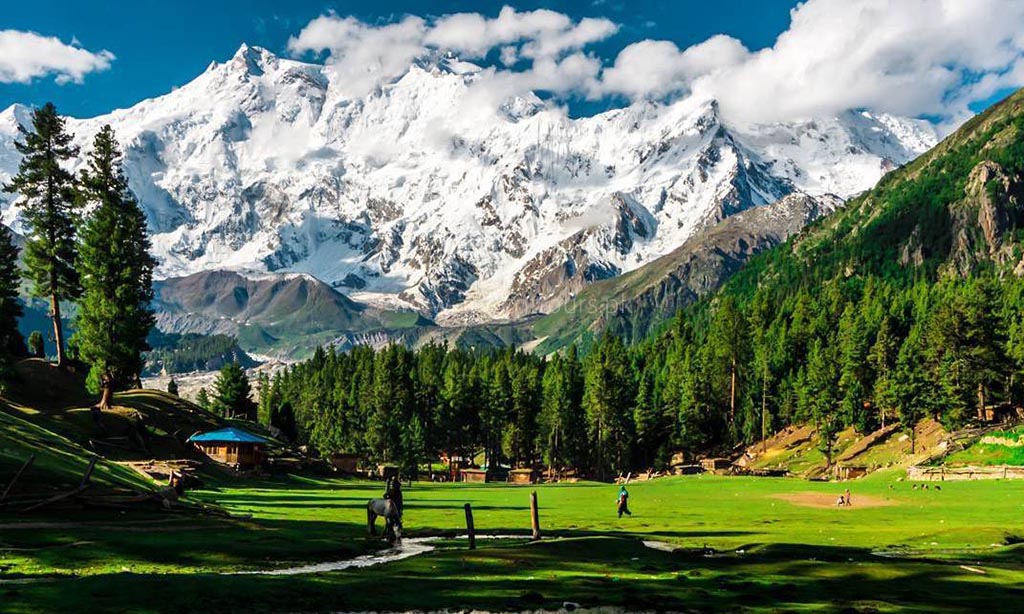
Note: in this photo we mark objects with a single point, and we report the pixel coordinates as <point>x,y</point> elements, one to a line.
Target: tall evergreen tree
<point>203,398</point>
<point>11,342</point>
<point>50,213</point>
<point>608,399</point>
<point>114,314</point>
<point>822,394</point>
<point>232,396</point>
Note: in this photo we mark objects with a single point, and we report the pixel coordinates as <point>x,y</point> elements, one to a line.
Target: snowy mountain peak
<point>255,60</point>
<point>15,115</point>
<point>419,194</point>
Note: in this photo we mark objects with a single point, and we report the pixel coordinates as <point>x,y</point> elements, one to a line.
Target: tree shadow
<point>590,571</point>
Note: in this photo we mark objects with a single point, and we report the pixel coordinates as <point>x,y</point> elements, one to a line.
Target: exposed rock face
<point>992,208</point>
<point>224,302</point>
<point>631,304</point>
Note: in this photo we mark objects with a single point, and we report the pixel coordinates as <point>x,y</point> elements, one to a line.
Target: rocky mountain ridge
<point>418,196</point>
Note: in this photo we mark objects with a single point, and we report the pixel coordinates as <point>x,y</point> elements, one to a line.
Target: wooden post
<point>534,516</point>
<point>88,471</point>
<point>469,527</point>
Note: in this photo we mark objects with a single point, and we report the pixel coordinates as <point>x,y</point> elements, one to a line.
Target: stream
<point>407,548</point>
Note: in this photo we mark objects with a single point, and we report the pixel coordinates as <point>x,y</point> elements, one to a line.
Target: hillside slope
<point>632,304</point>
<point>906,301</point>
<point>283,315</point>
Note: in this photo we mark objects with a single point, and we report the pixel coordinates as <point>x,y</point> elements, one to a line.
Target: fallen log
<point>57,498</point>
<point>82,487</point>
<point>14,480</point>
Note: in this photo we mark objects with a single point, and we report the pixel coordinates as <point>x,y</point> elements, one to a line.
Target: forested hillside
<point>906,303</point>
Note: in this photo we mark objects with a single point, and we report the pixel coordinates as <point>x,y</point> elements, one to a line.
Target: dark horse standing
<point>390,507</point>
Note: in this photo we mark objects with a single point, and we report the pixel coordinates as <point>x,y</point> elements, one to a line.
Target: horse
<point>392,515</point>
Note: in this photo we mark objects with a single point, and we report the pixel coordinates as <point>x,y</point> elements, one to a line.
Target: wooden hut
<point>231,446</point>
<point>346,463</point>
<point>473,475</point>
<point>522,476</point>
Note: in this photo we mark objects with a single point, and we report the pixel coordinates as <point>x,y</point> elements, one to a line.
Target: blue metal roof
<point>230,434</point>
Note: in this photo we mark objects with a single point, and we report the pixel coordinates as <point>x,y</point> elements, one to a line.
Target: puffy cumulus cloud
<point>25,56</point>
<point>907,57</point>
<point>365,56</point>
<point>543,33</point>
<point>655,69</point>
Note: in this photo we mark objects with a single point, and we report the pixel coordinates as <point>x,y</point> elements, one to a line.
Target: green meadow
<point>727,544</point>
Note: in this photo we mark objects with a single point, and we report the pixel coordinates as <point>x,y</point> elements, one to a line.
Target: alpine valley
<point>281,209</point>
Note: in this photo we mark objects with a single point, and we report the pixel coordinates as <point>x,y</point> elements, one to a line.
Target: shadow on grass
<point>201,543</point>
<point>590,571</point>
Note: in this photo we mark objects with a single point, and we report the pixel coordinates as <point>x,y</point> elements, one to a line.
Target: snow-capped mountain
<point>420,195</point>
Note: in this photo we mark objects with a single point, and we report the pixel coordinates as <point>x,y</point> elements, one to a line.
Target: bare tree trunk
<point>764,410</point>
<point>106,395</point>
<point>732,394</point>
<point>58,329</point>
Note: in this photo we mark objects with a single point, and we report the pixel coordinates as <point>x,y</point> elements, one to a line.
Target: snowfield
<point>420,194</point>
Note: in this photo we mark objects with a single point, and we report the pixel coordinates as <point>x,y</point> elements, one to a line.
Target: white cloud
<point>366,56</point>
<point>908,57</point>
<point>25,56</point>
<point>543,33</point>
<point>654,69</point>
<point>362,56</point>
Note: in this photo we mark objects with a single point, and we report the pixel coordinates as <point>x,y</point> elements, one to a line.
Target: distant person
<point>393,491</point>
<point>623,502</point>
<point>841,501</point>
<point>848,502</point>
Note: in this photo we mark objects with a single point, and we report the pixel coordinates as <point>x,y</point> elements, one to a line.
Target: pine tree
<point>203,398</point>
<point>50,213</point>
<point>822,394</point>
<point>882,358</point>
<point>114,315</point>
<point>11,342</point>
<point>265,404</point>
<point>729,340</point>
<point>232,397</point>
<point>608,399</point>
<point>172,387</point>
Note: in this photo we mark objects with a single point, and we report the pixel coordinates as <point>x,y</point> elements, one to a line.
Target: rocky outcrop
<point>991,210</point>
<point>633,303</point>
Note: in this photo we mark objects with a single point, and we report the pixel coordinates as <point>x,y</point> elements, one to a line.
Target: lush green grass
<point>59,464</point>
<point>771,553</point>
<point>1009,451</point>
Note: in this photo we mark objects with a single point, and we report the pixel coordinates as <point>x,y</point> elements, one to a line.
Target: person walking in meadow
<point>623,502</point>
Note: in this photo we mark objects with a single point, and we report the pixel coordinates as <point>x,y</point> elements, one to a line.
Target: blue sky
<point>763,60</point>
<point>158,47</point>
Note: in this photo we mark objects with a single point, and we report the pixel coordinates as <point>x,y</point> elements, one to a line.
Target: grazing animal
<point>937,487</point>
<point>392,515</point>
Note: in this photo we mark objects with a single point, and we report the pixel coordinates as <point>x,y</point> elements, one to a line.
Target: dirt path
<point>823,500</point>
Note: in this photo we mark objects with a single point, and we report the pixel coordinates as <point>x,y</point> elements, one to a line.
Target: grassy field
<point>998,448</point>
<point>744,544</point>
